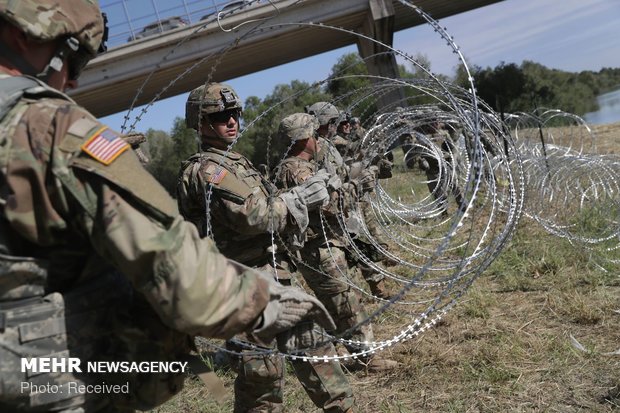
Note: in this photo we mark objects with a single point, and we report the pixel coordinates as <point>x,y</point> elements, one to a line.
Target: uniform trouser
<point>370,250</point>
<point>410,153</point>
<point>259,382</point>
<point>438,184</point>
<point>332,290</point>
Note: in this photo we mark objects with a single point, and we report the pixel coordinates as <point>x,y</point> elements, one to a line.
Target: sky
<point>570,35</point>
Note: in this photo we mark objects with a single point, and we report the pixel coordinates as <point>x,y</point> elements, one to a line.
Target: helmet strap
<point>70,45</point>
<point>56,62</point>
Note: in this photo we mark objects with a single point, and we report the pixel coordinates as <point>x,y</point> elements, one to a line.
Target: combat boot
<point>377,364</point>
<point>378,289</point>
<point>371,364</point>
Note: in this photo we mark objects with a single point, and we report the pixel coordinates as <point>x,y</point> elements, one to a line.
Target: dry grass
<point>506,347</point>
<point>603,139</point>
<point>608,138</point>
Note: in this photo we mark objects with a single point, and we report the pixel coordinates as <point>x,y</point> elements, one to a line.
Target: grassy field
<point>535,333</point>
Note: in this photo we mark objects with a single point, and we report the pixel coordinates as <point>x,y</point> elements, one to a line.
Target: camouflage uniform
<point>338,153</point>
<point>323,259</point>
<point>440,180</point>
<point>95,262</point>
<point>83,219</point>
<point>342,145</point>
<point>350,154</point>
<point>357,133</point>
<point>242,213</point>
<point>354,143</point>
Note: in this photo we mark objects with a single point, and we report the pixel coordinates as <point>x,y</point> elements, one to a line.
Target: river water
<point>609,109</point>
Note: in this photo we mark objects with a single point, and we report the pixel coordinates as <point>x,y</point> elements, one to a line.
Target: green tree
<point>350,83</point>
<point>531,85</point>
<point>501,86</point>
<point>167,152</point>
<point>260,141</point>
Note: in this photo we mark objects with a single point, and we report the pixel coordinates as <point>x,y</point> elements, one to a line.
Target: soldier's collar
<point>222,152</point>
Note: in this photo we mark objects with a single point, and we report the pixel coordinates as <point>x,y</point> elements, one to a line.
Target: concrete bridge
<point>111,81</point>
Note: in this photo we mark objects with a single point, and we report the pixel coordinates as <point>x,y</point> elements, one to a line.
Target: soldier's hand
<point>135,139</point>
<point>385,169</point>
<point>334,183</point>
<point>288,307</point>
<point>304,335</point>
<point>313,192</point>
<point>356,169</point>
<point>332,179</point>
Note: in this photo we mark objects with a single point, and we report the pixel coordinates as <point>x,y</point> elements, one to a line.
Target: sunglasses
<point>224,117</point>
<point>77,61</point>
<point>75,55</point>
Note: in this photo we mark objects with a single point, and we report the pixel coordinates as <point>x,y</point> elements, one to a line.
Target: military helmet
<point>324,111</point>
<point>47,20</point>
<point>298,126</point>
<point>207,99</point>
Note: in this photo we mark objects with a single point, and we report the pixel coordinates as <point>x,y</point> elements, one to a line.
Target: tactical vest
<point>315,237</point>
<point>233,178</point>
<point>103,319</point>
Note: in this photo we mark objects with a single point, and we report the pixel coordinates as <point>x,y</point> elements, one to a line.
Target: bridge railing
<point>133,19</point>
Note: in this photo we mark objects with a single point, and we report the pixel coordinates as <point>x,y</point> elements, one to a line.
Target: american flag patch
<point>105,145</point>
<point>216,174</point>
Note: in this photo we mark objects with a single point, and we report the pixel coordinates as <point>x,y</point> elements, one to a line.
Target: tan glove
<point>288,307</point>
<point>303,336</point>
<point>312,193</point>
<point>135,139</point>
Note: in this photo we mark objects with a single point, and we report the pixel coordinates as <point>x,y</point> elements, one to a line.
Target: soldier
<point>357,130</point>
<point>437,161</point>
<point>95,262</point>
<point>323,261</point>
<point>355,136</point>
<point>342,140</point>
<point>328,115</point>
<point>242,212</point>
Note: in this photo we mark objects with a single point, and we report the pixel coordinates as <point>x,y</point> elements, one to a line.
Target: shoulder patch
<point>105,145</point>
<point>215,174</point>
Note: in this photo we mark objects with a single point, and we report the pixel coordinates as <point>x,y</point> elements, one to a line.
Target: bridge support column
<point>379,25</point>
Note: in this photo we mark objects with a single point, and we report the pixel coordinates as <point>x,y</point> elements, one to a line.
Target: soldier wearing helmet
<point>357,130</point>
<point>95,262</point>
<point>334,124</point>
<point>242,213</point>
<point>221,106</point>
<point>325,253</point>
<point>354,168</point>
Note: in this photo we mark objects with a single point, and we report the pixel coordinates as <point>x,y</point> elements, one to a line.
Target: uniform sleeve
<point>295,173</point>
<point>133,224</point>
<point>250,215</point>
<point>191,197</point>
<point>188,282</point>
<point>256,215</point>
